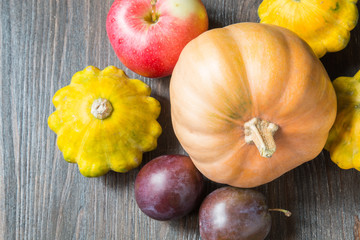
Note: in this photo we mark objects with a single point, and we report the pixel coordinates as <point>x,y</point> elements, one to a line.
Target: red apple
<point>148,35</point>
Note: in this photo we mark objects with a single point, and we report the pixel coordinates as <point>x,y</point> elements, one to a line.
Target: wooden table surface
<point>42,44</point>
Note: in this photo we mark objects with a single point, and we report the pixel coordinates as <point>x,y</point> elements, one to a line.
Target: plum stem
<point>286,212</point>
<point>153,11</point>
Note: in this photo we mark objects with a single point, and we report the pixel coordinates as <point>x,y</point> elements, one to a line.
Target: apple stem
<point>286,212</point>
<point>153,11</point>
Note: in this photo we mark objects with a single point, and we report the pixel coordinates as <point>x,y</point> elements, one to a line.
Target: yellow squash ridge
<point>324,24</point>
<point>105,121</point>
<point>344,140</point>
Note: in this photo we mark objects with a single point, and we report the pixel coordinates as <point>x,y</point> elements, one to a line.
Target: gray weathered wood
<point>42,44</point>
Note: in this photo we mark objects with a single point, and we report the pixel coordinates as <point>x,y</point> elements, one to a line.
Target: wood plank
<point>42,44</point>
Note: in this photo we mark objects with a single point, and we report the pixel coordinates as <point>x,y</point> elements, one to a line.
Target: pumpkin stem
<point>261,133</point>
<point>101,108</point>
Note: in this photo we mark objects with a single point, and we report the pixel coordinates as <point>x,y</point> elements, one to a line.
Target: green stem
<point>153,11</point>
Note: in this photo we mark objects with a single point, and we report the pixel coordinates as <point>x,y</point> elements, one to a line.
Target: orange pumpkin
<point>250,102</point>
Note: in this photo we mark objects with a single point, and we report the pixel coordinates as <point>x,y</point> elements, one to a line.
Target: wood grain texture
<point>42,44</point>
<point>357,228</point>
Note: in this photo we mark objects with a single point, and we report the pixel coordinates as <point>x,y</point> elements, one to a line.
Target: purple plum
<point>168,187</point>
<point>234,214</point>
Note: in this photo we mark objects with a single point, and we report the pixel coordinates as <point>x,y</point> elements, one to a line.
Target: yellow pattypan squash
<point>344,139</point>
<point>324,24</point>
<point>105,121</point>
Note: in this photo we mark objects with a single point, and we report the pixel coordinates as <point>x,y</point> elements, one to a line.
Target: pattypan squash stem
<point>101,108</point>
<point>261,133</point>
<point>154,17</point>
